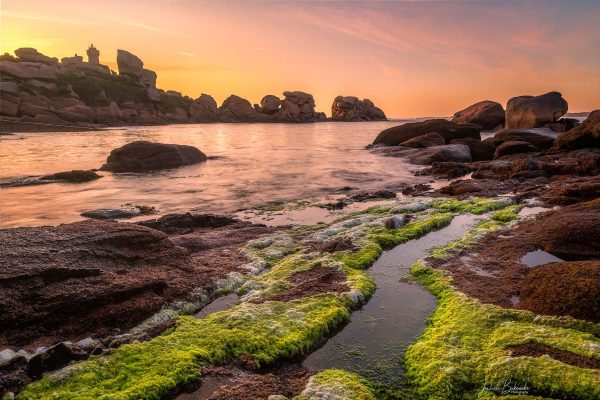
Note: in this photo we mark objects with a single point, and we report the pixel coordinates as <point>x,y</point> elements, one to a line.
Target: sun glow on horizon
<point>411,59</point>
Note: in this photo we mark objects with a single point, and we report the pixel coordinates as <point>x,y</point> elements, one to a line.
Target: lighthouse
<point>93,55</point>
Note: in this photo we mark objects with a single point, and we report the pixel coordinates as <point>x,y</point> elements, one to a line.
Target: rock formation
<point>270,104</point>
<point>237,109</point>
<point>204,109</point>
<point>142,156</point>
<point>350,108</point>
<point>487,114</point>
<point>535,111</point>
<point>448,130</point>
<point>298,107</point>
<point>585,135</point>
<point>129,64</point>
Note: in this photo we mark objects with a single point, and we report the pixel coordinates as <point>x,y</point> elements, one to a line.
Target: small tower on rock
<point>93,55</point>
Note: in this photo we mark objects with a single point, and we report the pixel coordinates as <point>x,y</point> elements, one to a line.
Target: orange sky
<point>417,58</point>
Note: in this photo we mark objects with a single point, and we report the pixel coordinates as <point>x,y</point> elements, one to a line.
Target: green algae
<point>337,384</point>
<point>465,344</point>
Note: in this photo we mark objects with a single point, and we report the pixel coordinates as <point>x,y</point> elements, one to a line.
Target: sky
<point>412,58</point>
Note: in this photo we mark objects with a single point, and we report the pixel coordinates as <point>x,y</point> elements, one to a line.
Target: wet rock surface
<point>487,114</point>
<point>493,271</point>
<point>94,278</point>
<point>74,176</point>
<point>143,156</point>
<point>448,130</point>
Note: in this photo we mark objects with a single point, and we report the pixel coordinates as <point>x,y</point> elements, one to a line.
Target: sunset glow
<point>412,58</point>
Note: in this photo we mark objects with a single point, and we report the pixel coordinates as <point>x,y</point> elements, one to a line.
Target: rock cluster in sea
<point>35,88</point>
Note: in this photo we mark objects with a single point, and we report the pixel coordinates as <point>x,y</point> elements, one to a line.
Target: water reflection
<point>255,164</point>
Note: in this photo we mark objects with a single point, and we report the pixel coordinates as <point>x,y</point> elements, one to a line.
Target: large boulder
<point>585,135</point>
<point>270,104</point>
<point>447,152</point>
<point>149,78</point>
<point>426,140</point>
<point>204,109</point>
<point>536,139</point>
<point>487,114</point>
<point>129,64</point>
<point>480,150</point>
<point>350,108</point>
<point>28,70</point>
<point>298,107</point>
<point>32,55</point>
<point>514,147</point>
<point>448,130</point>
<point>237,109</point>
<point>535,111</point>
<point>146,156</point>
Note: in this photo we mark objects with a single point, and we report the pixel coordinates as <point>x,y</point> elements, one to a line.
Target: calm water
<point>375,339</point>
<point>256,164</point>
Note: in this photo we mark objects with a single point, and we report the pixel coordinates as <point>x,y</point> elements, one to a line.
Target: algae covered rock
<point>563,288</point>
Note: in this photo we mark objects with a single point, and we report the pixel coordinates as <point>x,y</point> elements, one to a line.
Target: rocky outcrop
<point>237,109</point>
<point>448,130</point>
<point>536,139</point>
<point>29,54</point>
<point>480,150</point>
<point>514,147</point>
<point>426,140</point>
<point>204,109</point>
<point>143,156</point>
<point>448,152</point>
<point>270,104</point>
<point>350,108</point>
<point>585,135</point>
<point>298,107</point>
<point>487,114</point>
<point>130,64</point>
<point>535,111</point>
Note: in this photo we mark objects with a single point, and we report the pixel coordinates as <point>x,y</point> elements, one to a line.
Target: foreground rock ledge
<point>143,156</point>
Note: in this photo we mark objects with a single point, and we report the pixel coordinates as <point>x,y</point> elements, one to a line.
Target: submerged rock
<point>142,156</point>
<point>126,211</point>
<point>535,111</point>
<point>448,130</point>
<point>379,194</point>
<point>74,176</point>
<point>487,114</point>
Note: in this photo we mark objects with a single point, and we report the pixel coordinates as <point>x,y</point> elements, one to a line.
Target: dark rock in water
<point>350,108</point>
<point>380,194</point>
<point>487,114</point>
<point>171,223</point>
<point>426,140</point>
<point>416,190</point>
<point>126,211</point>
<point>480,150</point>
<point>338,205</point>
<point>74,176</point>
<point>448,130</point>
<point>142,156</point>
<point>535,111</point>
<point>540,141</point>
<point>585,135</point>
<point>514,147</point>
<point>448,152</point>
<point>563,288</point>
<point>448,169</point>
<point>54,358</point>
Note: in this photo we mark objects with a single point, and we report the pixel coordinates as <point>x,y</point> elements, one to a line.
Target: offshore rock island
<point>37,90</point>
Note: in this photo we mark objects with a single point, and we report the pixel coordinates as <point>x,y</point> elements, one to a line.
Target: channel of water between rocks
<point>373,342</point>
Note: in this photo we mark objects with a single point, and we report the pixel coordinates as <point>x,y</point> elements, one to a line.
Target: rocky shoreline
<point>38,93</point>
<point>536,322</point>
